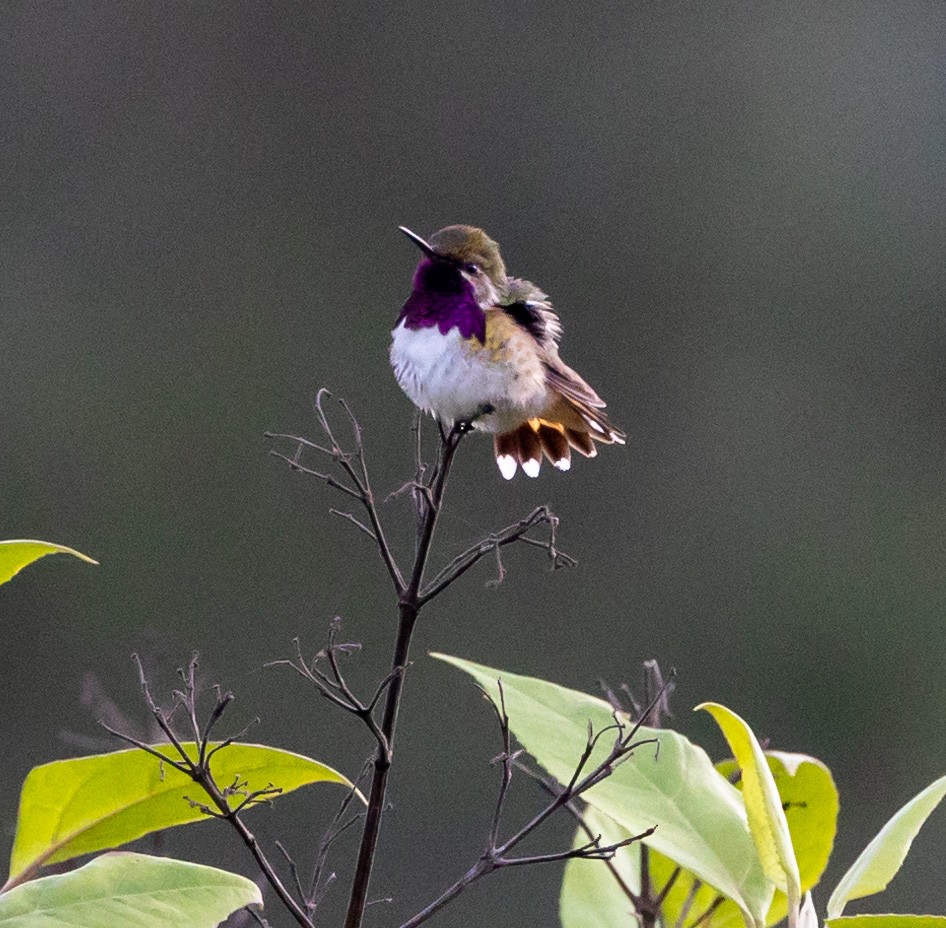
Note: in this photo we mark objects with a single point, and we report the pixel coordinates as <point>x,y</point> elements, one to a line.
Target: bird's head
<point>461,255</point>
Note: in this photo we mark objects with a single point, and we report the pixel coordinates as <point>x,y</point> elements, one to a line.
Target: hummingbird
<point>475,347</point>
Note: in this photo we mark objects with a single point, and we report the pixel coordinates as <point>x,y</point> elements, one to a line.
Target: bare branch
<point>467,559</point>
<point>671,880</point>
<point>593,850</point>
<point>330,481</point>
<point>256,916</point>
<point>335,688</point>
<point>355,481</point>
<point>575,812</point>
<point>497,856</point>
<point>293,869</point>
<point>356,522</point>
<point>506,758</point>
<point>382,686</point>
<point>219,708</point>
<point>688,903</point>
<point>177,765</point>
<point>337,827</point>
<point>707,913</point>
<point>347,470</point>
<point>198,769</point>
<point>409,607</point>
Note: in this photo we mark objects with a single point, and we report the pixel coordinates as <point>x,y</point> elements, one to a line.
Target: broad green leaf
<point>700,817</point>
<point>887,921</point>
<point>592,895</point>
<point>810,800</point>
<point>15,555</point>
<point>72,807</point>
<point>883,857</point>
<point>131,891</point>
<point>763,805</point>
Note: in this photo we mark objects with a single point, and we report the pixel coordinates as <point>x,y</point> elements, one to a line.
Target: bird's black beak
<point>419,242</point>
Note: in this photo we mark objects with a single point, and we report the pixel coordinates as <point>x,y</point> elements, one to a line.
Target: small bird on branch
<point>475,346</point>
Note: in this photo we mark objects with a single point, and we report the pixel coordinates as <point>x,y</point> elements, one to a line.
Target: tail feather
<point>581,442</point>
<point>520,447</point>
<point>567,423</point>
<point>555,445</point>
<point>506,449</point>
<point>530,449</point>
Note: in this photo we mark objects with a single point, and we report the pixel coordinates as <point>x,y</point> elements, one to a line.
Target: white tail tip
<point>531,467</point>
<point>507,466</point>
<point>563,464</point>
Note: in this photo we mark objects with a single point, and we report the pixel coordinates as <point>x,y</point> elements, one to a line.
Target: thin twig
<point>348,517</point>
<point>497,856</point>
<point>293,869</point>
<point>256,917</point>
<point>355,483</point>
<point>198,769</point>
<point>661,897</point>
<point>467,559</point>
<point>336,828</point>
<point>506,758</point>
<point>695,887</point>
<point>707,913</point>
<point>335,688</point>
<point>575,812</point>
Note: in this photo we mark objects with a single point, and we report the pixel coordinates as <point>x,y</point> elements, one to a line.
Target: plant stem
<point>409,607</point>
<point>483,866</point>
<point>656,693</point>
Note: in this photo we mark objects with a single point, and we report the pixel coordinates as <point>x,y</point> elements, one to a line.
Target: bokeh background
<point>739,211</point>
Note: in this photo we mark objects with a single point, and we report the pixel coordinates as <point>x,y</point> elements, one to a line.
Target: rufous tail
<point>567,423</point>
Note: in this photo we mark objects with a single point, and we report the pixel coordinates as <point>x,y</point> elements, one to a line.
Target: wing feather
<point>531,309</point>
<point>571,385</point>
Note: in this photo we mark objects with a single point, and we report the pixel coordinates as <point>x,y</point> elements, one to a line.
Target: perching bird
<point>475,346</point>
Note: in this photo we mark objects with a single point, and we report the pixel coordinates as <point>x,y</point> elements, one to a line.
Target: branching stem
<point>409,607</point>
<point>497,855</point>
<point>427,489</point>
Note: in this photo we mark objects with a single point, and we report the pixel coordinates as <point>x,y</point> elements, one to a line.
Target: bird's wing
<point>570,384</point>
<point>530,308</point>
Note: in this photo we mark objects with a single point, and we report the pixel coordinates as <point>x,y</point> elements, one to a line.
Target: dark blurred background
<point>739,211</point>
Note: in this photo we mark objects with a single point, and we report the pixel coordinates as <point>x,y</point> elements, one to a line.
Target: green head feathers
<point>469,245</point>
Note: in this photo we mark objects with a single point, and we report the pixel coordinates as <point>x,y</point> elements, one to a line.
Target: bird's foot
<point>467,425</point>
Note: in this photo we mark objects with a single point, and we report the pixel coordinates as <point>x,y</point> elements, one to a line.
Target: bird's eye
<point>472,268</point>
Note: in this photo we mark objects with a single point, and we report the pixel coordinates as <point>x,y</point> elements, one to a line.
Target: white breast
<point>455,381</point>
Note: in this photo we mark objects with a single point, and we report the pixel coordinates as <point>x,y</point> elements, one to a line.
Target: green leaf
<point>887,921</point>
<point>72,807</point>
<point>764,807</point>
<point>15,555</point>
<point>810,800</point>
<point>130,890</point>
<point>592,896</point>
<point>700,818</point>
<point>883,857</point>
